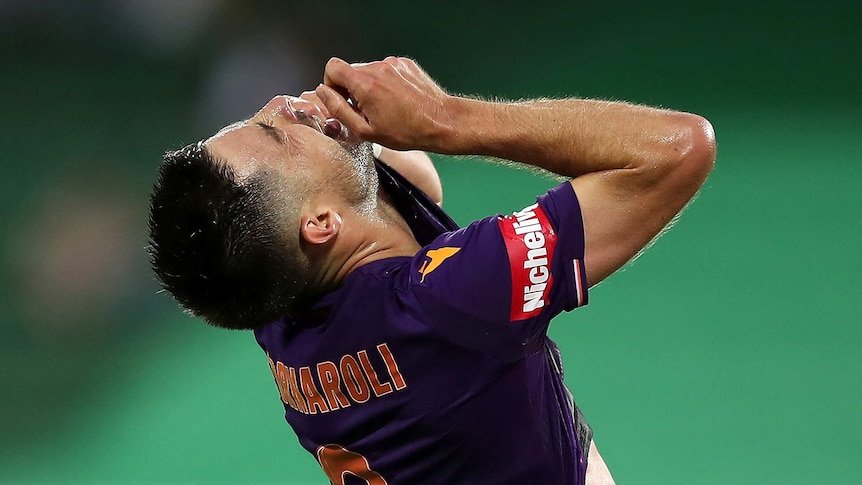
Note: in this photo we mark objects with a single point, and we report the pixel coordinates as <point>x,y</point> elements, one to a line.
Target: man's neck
<point>372,237</point>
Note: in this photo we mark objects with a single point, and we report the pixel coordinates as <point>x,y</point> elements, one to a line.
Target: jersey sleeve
<point>498,282</point>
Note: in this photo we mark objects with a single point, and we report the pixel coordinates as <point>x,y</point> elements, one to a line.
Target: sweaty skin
<point>634,168</point>
<point>340,236</point>
<point>415,165</point>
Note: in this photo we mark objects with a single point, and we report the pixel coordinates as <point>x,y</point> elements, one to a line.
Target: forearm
<point>398,105</point>
<point>633,168</point>
<point>570,137</point>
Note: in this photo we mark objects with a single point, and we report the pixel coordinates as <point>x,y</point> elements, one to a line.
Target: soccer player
<point>407,350</point>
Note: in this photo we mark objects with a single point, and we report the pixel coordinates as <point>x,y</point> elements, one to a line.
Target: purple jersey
<point>436,368</point>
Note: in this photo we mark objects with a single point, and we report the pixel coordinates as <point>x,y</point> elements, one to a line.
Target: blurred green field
<point>728,353</point>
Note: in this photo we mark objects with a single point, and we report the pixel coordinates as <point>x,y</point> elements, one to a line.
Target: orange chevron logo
<point>436,258</point>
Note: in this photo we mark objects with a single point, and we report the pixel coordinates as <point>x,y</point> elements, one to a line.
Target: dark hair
<point>219,246</point>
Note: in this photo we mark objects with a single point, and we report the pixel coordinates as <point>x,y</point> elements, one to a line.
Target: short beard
<point>362,153</point>
<point>362,192</point>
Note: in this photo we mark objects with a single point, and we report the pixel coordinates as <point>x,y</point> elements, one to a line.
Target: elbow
<point>435,193</point>
<point>689,152</point>
<point>702,150</point>
<point>427,178</point>
<point>698,158</point>
<point>417,167</point>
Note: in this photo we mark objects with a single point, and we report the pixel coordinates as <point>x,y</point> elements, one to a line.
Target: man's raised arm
<point>633,167</point>
<point>414,165</point>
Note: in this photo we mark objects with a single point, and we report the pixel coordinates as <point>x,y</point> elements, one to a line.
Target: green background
<point>728,353</point>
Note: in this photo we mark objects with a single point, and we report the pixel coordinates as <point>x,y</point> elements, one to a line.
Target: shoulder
<point>517,270</point>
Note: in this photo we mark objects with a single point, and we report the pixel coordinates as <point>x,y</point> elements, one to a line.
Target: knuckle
<point>392,61</point>
<point>380,66</point>
<point>387,68</point>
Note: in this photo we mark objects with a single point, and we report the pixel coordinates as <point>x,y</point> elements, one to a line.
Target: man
<point>406,351</point>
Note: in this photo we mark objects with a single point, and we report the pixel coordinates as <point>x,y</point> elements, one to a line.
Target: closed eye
<point>272,131</point>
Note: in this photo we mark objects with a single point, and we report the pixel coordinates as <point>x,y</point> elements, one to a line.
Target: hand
<point>309,103</point>
<point>392,102</point>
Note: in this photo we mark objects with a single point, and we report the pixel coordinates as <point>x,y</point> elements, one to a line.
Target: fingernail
<point>321,92</point>
<point>335,129</point>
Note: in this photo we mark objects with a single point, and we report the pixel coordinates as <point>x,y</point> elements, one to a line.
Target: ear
<point>321,228</point>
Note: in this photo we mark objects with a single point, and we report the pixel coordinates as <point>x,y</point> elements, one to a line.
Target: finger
<point>311,104</point>
<point>340,76</point>
<point>311,97</point>
<point>335,130</point>
<point>341,110</point>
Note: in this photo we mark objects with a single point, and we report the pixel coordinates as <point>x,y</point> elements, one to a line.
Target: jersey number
<point>338,462</point>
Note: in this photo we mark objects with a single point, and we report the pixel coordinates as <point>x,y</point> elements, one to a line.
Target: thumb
<point>339,108</point>
<point>339,74</point>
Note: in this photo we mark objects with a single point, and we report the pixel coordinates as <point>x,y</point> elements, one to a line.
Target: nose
<point>277,107</point>
<point>286,107</point>
<point>308,107</point>
<point>299,110</point>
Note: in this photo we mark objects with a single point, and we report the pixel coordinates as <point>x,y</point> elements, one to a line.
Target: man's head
<point>242,225</point>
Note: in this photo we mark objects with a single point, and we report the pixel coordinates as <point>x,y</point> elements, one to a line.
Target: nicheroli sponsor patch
<point>530,242</point>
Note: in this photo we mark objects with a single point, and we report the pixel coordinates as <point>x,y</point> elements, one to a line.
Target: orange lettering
<point>327,372</point>
<point>338,462</point>
<point>294,391</point>
<point>392,367</point>
<point>315,400</point>
<point>354,380</point>
<point>378,388</point>
<point>283,389</point>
